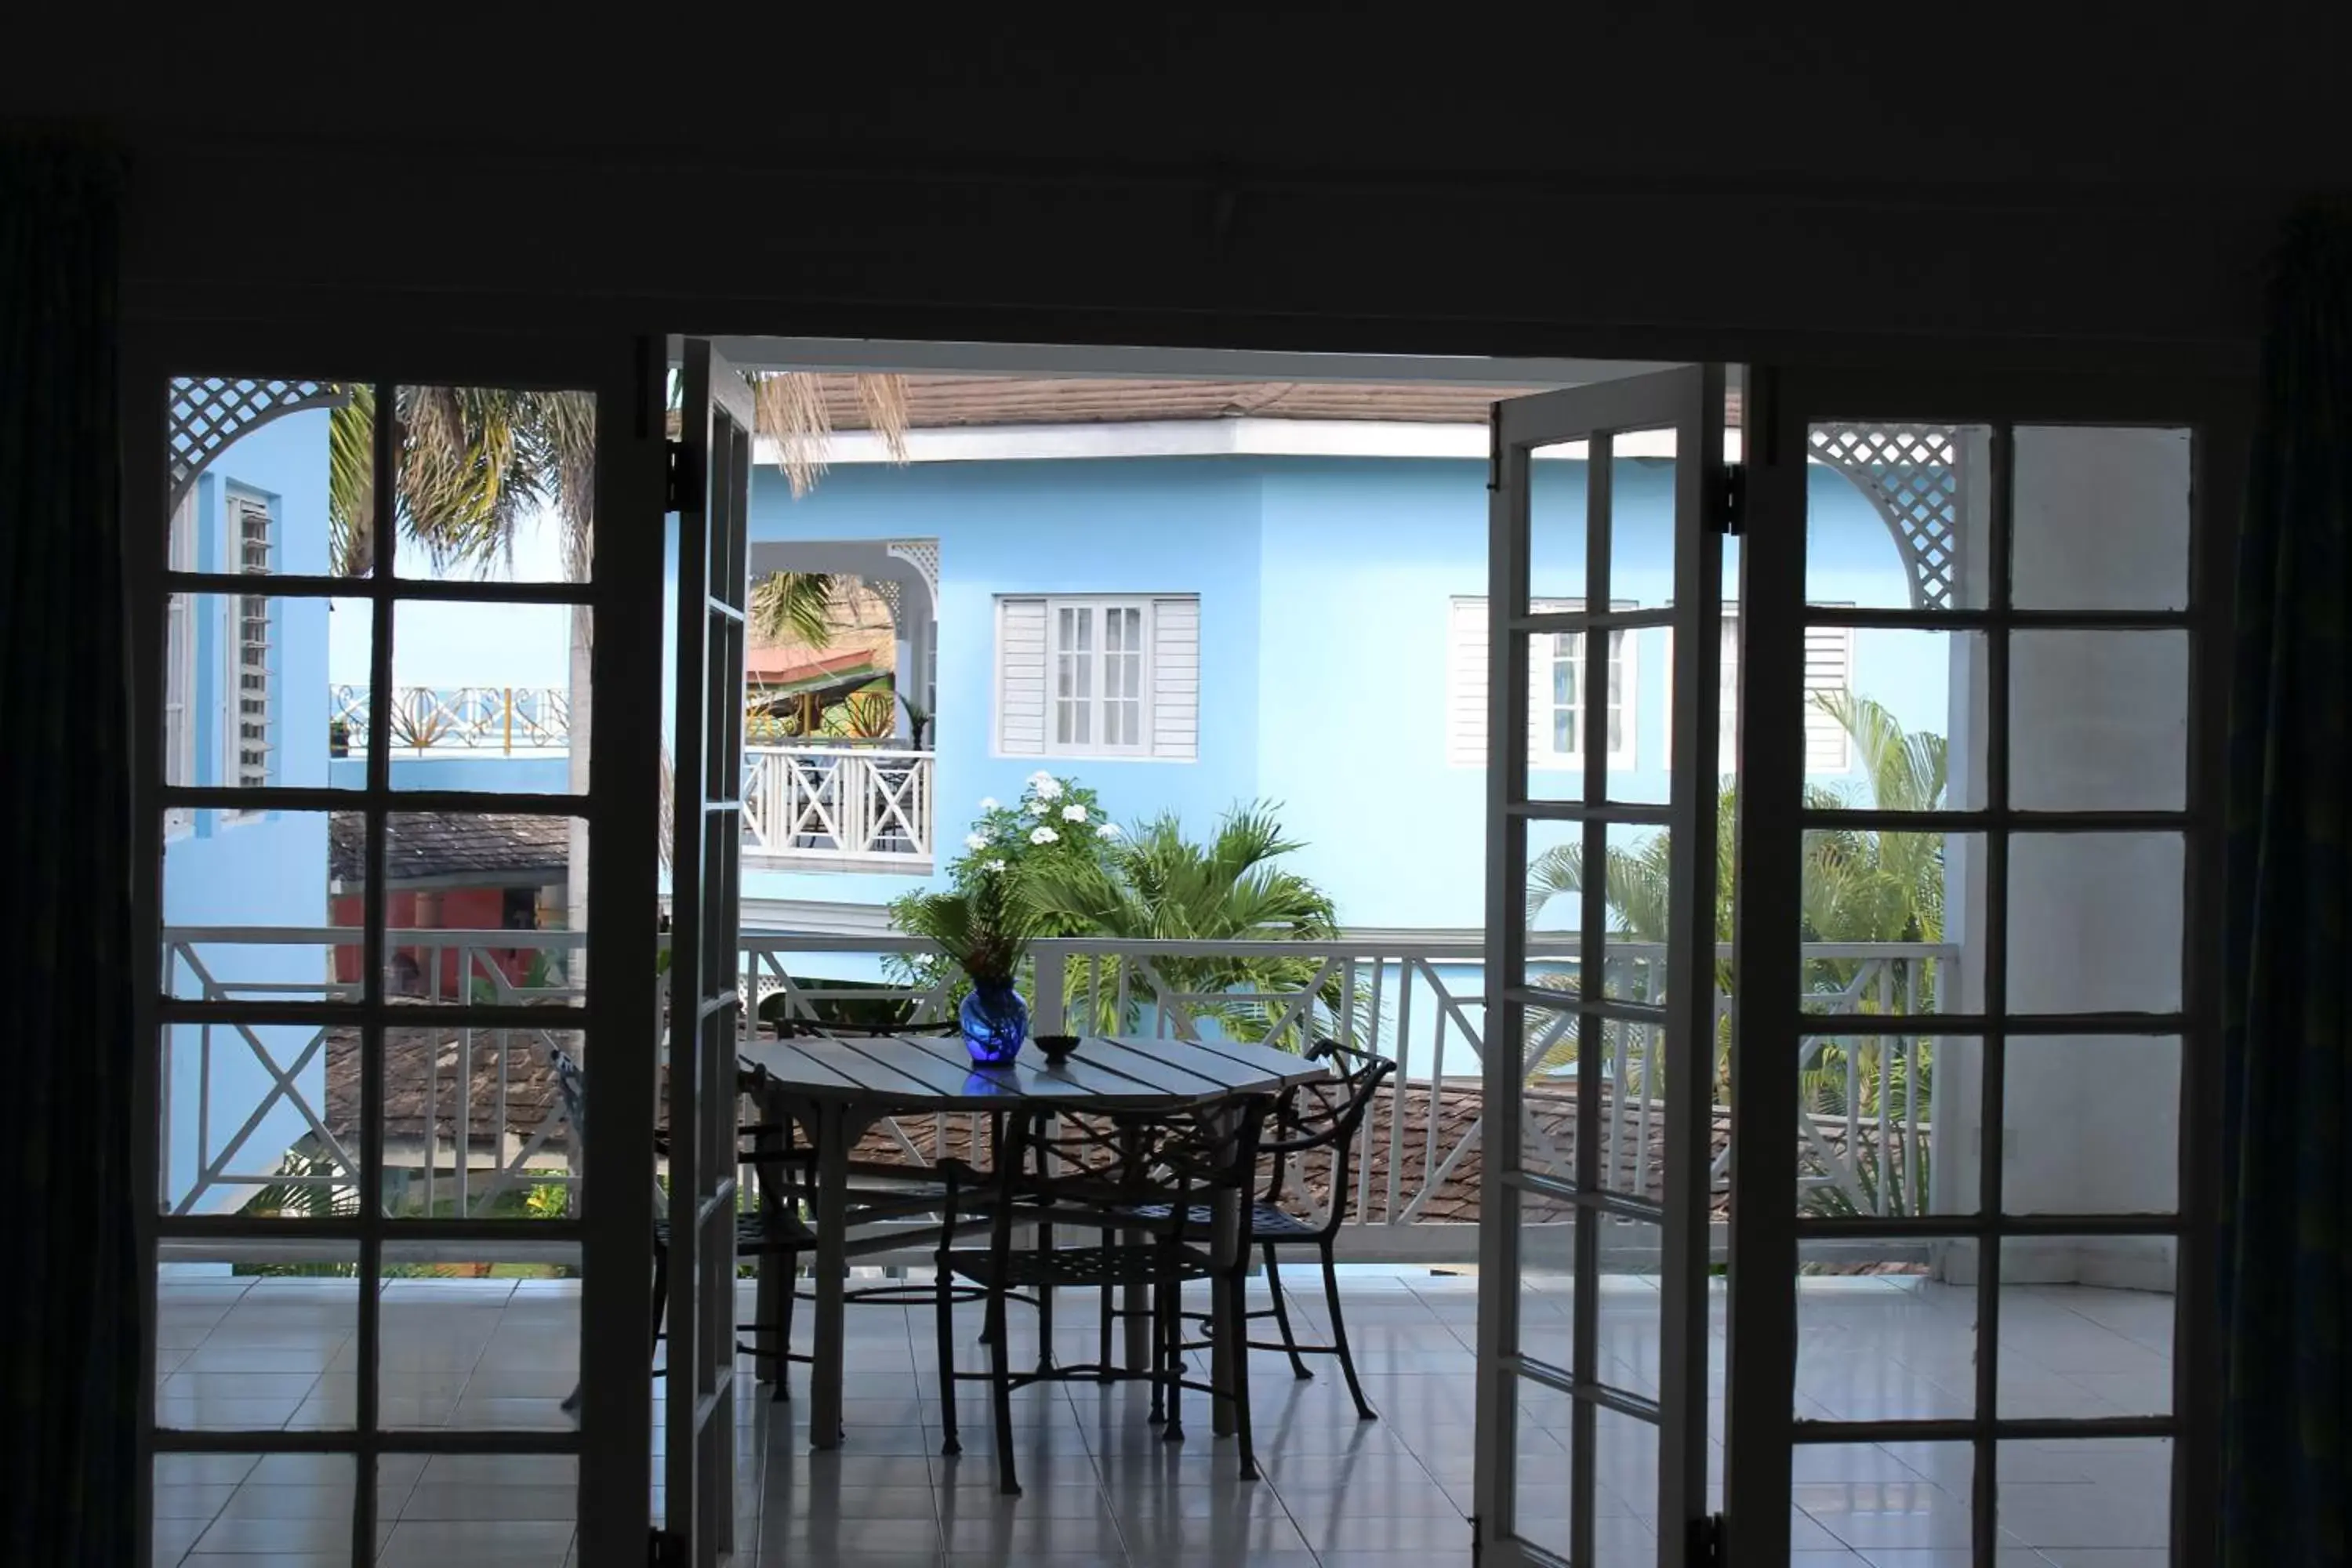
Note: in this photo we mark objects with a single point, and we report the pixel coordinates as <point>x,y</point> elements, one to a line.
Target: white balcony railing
<point>428,719</point>
<point>845,806</point>
<point>471,1134</point>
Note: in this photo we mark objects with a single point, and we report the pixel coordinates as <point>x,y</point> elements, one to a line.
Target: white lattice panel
<point>207,415</point>
<point>1911,473</point>
<point>923,554</point>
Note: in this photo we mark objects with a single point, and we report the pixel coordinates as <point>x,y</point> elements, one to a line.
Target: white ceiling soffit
<point>760,353</point>
<point>1207,438</point>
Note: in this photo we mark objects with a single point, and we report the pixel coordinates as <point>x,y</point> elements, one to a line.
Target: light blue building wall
<point>1326,585</point>
<point>264,870</point>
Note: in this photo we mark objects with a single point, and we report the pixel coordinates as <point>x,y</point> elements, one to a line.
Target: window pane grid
<point>2028,861</point>
<point>1099,670</point>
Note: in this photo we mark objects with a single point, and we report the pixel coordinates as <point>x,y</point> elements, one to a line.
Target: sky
<point>467,644</point>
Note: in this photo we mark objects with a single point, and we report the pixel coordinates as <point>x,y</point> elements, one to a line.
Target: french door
<point>1971,1164</point>
<point>1600,1015</point>
<point>385,1264</point>
<point>713,476</point>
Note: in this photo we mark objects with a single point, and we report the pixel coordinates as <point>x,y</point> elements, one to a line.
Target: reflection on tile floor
<point>1099,1485</point>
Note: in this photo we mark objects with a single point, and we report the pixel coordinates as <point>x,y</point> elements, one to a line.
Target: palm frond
<point>794,606</point>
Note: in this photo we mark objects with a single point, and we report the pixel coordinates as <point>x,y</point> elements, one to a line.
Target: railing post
<point>1051,974</point>
<point>508,709</point>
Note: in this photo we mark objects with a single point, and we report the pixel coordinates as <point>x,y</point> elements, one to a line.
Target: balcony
<point>475,1122</point>
<point>840,807</point>
<point>832,806</point>
<point>1887,1328</point>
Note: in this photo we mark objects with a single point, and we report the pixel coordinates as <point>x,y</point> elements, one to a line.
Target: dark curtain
<point>68,1307</point>
<point>2287,1024</point>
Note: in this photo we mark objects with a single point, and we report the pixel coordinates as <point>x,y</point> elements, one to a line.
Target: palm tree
<point>470,461</point>
<point>1859,886</point>
<point>794,606</point>
<point>1155,884</point>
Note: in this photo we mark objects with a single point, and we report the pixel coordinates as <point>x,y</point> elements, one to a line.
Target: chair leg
<point>999,1357</point>
<point>1102,1333</point>
<point>661,1295</point>
<point>1237,1287</point>
<point>779,1334</point>
<point>1282,1316</point>
<point>943,1332</point>
<point>1045,1307</point>
<point>1160,1310</point>
<point>1172,1326</point>
<point>1364,1412</point>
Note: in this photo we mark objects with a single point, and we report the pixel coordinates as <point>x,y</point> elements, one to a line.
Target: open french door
<point>1593,1384</point>
<point>712,468</point>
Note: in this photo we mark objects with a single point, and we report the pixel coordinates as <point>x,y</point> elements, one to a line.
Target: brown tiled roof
<point>938,401</point>
<point>529,1088</point>
<point>497,846</point>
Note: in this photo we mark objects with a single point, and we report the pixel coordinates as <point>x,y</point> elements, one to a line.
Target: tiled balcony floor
<point>1100,1486</point>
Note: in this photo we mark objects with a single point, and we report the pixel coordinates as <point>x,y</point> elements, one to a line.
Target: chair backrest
<point>572,1090</point>
<point>1326,1113</point>
<point>1172,1157</point>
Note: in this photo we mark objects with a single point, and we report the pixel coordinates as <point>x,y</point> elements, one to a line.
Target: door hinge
<point>1731,500</point>
<point>676,485</point>
<point>667,1548</point>
<point>1707,1542</point>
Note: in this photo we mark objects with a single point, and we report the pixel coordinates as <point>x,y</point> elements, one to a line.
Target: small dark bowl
<point>1058,1048</point>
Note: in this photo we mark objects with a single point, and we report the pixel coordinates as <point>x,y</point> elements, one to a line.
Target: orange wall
<point>459,908</point>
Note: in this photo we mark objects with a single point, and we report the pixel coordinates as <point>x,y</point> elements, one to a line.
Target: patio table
<point>838,1088</point>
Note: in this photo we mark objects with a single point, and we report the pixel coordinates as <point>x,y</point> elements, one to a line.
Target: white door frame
<point>714,469</point>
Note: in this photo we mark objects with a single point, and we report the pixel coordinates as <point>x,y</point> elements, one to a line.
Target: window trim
<point>1152,671</point>
<point>1627,668</point>
<point>1101,606</point>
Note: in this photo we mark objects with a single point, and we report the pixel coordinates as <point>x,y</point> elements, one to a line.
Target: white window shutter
<point>1020,677</point>
<point>1176,678</point>
<point>1465,683</point>
<point>1828,667</point>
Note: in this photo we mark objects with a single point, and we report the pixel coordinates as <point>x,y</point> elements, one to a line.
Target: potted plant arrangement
<point>985,930</point>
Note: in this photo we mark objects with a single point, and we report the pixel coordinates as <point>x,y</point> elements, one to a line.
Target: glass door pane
<point>1971,861</point>
<point>1605,571</point>
<point>372,914</point>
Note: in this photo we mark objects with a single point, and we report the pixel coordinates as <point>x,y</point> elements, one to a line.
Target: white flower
<point>1043,836</point>
<point>1047,786</point>
<point>975,840</point>
<point>996,865</point>
<point>1107,830</point>
<point>1074,814</point>
<point>988,803</point>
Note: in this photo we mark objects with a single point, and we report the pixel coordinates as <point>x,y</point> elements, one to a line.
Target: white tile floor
<point>1100,1486</point>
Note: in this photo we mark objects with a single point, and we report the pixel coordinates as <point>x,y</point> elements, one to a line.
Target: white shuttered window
<point>1099,675</point>
<point>1829,667</point>
<point>253,720</point>
<point>1556,676</point>
<point>180,673</point>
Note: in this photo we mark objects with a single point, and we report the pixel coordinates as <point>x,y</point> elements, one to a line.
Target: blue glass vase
<point>995,1021</point>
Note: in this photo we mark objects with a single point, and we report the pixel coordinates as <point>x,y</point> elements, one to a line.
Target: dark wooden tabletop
<point>913,1072</point>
